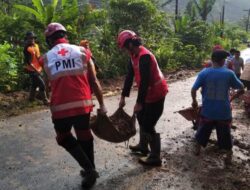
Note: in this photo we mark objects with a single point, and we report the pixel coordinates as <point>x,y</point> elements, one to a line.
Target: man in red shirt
<point>71,72</point>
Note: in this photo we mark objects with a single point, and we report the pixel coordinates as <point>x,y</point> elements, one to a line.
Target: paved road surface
<point>245,54</point>
<point>31,160</point>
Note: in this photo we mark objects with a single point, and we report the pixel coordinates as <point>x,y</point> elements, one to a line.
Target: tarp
<point>117,128</point>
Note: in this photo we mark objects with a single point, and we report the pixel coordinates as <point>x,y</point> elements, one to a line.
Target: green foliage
<point>196,34</point>
<point>181,24</point>
<point>67,12</point>
<point>188,56</point>
<point>140,16</point>
<point>229,36</point>
<point>191,10</point>
<point>182,43</point>
<point>166,56</point>
<point>8,68</point>
<point>131,14</point>
<point>235,35</point>
<point>204,7</point>
<point>44,14</point>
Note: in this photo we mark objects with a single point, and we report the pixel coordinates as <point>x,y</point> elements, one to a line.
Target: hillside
<point>234,9</point>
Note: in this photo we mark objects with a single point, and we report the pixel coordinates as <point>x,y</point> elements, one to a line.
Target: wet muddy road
<point>31,159</point>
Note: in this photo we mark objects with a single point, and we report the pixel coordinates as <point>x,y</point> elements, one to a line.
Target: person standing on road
<point>229,59</point>
<point>238,63</point>
<point>71,72</point>
<point>216,111</point>
<point>152,89</point>
<point>245,76</point>
<point>31,59</point>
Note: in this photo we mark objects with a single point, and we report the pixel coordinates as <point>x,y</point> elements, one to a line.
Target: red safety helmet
<point>54,27</point>
<point>125,35</point>
<point>217,47</point>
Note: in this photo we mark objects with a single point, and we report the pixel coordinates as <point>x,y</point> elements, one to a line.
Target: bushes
<point>182,43</point>
<point>8,68</point>
<point>133,14</point>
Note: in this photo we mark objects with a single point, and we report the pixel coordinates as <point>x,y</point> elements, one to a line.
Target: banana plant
<point>181,24</point>
<point>44,14</point>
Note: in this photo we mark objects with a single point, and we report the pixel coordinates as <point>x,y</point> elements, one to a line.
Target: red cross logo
<point>62,52</point>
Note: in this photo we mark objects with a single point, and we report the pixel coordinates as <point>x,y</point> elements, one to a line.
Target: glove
<point>103,110</point>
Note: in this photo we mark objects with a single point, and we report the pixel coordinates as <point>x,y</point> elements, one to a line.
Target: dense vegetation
<point>184,42</point>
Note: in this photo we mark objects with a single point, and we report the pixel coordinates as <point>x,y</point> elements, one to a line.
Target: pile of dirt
<point>180,75</point>
<point>16,103</point>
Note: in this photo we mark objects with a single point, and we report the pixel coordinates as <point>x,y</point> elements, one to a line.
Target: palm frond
<point>29,10</point>
<point>54,4</point>
<point>38,4</point>
<point>49,13</point>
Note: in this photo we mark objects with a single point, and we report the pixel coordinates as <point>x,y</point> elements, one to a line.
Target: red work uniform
<point>152,88</point>
<point>66,67</point>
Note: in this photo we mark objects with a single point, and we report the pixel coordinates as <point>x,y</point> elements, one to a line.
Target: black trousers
<point>80,124</point>
<point>149,115</point>
<point>37,81</point>
<point>83,141</point>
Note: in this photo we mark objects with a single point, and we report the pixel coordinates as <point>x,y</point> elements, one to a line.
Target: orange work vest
<point>158,87</point>
<point>35,54</point>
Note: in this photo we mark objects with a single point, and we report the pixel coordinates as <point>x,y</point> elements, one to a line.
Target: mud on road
<point>31,159</point>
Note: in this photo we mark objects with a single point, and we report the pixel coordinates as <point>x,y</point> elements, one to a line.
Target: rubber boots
<point>90,173</point>
<point>142,147</point>
<point>154,157</point>
<point>88,148</point>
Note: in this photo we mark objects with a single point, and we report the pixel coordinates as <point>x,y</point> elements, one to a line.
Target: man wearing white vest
<point>71,72</point>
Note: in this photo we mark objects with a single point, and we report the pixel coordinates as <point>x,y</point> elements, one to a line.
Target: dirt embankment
<point>15,103</point>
